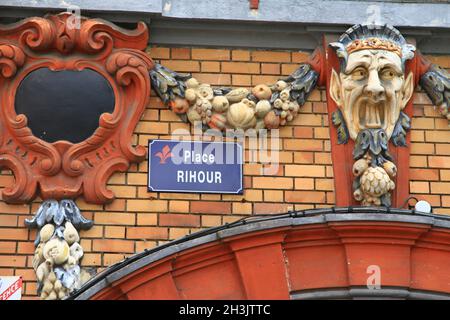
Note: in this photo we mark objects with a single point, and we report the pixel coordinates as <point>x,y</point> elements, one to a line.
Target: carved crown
<point>374,43</point>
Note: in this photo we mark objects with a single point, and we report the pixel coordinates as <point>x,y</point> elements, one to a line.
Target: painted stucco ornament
<point>371,90</point>
<point>263,106</point>
<point>58,253</point>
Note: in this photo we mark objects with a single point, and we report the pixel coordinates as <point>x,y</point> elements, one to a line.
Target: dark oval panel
<point>64,105</point>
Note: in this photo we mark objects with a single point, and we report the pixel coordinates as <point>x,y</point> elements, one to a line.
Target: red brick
<point>146,233</point>
<point>214,79</point>
<point>149,219</point>
<point>304,157</point>
<point>322,158</point>
<point>179,220</point>
<point>112,258</point>
<point>210,54</point>
<point>422,148</point>
<point>210,66</point>
<point>30,288</point>
<point>240,55</point>
<point>209,207</point>
<point>159,53</point>
<point>269,80</point>
<point>114,232</point>
<point>273,183</point>
<point>424,174</point>
<point>211,221</point>
<point>8,220</point>
<point>241,80</point>
<point>419,187</point>
<point>271,56</point>
<point>305,196</point>
<point>182,65</point>
<point>240,67</point>
<point>305,171</point>
<point>417,161</point>
<point>121,218</point>
<point>91,259</point>
<point>109,245</point>
<point>14,208</point>
<point>271,208</point>
<point>12,261</point>
<point>433,199</point>
<point>437,136</point>
<point>13,234</point>
<point>242,208</point>
<point>287,69</point>
<point>440,187</point>
<point>181,53</point>
<point>300,57</point>
<point>147,205</point>
<point>26,247</point>
<point>270,68</point>
<point>303,132</point>
<point>7,247</point>
<point>443,148</point>
<point>304,184</point>
<point>422,123</point>
<point>325,184</point>
<point>439,162</point>
<point>142,245</point>
<point>26,274</point>
<point>303,144</point>
<point>446,201</point>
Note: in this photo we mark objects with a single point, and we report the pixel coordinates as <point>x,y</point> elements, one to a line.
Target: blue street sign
<point>195,166</point>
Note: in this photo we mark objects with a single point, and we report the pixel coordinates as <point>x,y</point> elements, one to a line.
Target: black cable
<point>407,200</point>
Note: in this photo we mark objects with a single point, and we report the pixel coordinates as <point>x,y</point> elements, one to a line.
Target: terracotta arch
<point>322,253</point>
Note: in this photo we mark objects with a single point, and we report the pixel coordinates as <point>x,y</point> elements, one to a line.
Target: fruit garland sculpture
<point>58,252</point>
<point>224,108</point>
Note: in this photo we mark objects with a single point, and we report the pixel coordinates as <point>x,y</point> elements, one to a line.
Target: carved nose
<point>374,89</point>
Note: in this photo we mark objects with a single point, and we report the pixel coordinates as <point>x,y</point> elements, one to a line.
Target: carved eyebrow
<point>390,65</point>
<point>361,63</point>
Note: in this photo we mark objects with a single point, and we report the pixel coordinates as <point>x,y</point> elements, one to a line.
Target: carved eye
<point>387,74</point>
<point>359,74</point>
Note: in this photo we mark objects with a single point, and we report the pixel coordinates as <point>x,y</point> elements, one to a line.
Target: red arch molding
<point>322,253</point>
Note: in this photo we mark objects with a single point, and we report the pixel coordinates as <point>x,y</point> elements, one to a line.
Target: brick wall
<point>430,150</point>
<point>138,219</point>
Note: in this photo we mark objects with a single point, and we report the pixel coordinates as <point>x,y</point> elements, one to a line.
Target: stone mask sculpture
<point>371,90</point>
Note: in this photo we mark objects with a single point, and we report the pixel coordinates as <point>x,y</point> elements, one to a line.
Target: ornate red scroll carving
<point>61,42</point>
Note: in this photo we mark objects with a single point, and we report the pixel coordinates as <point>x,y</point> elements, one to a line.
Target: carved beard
<point>363,112</point>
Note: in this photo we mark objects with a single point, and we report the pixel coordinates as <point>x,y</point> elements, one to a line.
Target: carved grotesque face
<point>371,91</point>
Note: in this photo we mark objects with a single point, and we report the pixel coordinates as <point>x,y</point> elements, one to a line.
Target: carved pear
<point>70,233</point>
<point>47,232</point>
